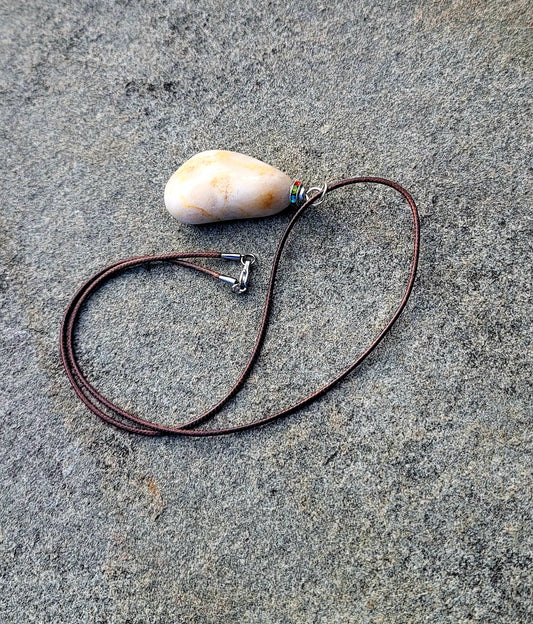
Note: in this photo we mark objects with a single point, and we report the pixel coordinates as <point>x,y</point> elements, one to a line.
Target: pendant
<point>218,185</point>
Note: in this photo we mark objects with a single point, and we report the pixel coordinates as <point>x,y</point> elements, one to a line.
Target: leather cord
<point>113,414</point>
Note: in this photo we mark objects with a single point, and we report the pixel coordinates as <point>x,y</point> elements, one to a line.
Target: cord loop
<point>115,415</point>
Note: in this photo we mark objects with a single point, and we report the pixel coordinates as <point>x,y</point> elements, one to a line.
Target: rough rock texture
<point>403,496</point>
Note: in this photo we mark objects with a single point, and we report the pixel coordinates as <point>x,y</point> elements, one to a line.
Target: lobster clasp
<point>241,285</point>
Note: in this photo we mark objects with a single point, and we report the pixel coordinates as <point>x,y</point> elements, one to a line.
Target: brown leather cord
<point>113,414</point>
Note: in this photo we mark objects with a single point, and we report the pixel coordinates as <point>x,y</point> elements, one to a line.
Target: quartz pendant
<point>218,185</point>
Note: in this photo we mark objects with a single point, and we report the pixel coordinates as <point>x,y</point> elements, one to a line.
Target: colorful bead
<point>295,192</point>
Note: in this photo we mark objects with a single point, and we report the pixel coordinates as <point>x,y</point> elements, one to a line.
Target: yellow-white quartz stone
<point>218,185</point>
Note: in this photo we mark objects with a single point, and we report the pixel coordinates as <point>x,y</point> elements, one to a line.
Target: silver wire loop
<point>248,258</point>
<point>322,189</point>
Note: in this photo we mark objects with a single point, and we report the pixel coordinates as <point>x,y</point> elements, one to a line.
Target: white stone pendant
<point>218,185</point>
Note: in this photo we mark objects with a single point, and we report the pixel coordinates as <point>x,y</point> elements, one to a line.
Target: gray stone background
<point>402,496</point>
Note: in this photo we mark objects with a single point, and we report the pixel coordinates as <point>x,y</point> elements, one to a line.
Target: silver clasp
<point>241,285</point>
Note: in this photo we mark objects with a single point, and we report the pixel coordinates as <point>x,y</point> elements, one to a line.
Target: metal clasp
<point>241,285</point>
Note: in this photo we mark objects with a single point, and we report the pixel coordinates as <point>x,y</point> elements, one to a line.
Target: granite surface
<point>402,496</point>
